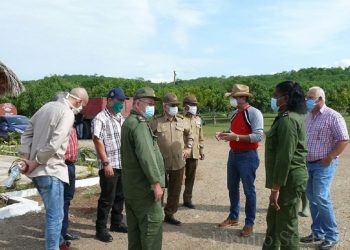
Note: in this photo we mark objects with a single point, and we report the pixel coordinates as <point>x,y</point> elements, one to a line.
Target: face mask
<point>310,104</point>
<point>233,102</point>
<point>274,106</point>
<point>173,111</point>
<point>118,107</point>
<point>192,110</point>
<point>149,112</point>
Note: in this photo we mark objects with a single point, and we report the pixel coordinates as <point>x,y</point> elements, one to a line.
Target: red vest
<point>240,125</point>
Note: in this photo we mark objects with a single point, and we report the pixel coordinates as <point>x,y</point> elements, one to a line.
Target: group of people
<point>301,155</point>
<point>141,156</point>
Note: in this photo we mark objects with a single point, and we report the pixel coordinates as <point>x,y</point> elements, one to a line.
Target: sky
<point>151,38</point>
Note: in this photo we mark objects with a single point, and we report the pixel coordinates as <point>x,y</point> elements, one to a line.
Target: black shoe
<point>309,239</point>
<point>171,220</point>
<point>189,205</point>
<point>69,236</point>
<point>104,236</point>
<point>327,245</point>
<point>121,228</point>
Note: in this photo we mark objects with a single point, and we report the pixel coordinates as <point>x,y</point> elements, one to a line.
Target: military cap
<point>170,98</point>
<point>190,99</point>
<point>145,92</point>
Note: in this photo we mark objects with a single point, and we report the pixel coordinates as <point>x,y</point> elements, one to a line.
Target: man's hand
<point>274,199</point>
<point>108,171</point>
<point>228,136</point>
<point>326,161</point>
<point>202,156</point>
<point>27,166</point>
<point>158,191</point>
<point>186,153</point>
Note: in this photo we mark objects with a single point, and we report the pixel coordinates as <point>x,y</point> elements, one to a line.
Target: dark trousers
<point>111,197</point>
<point>282,225</point>
<point>174,189</point>
<point>145,223</point>
<point>69,190</point>
<point>242,166</point>
<point>190,174</point>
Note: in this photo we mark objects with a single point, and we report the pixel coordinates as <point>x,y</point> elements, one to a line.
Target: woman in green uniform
<point>286,174</point>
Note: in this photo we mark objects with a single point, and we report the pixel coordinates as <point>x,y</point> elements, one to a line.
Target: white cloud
<point>343,63</point>
<point>304,25</point>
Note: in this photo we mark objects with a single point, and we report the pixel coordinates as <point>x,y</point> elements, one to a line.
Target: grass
<point>209,128</point>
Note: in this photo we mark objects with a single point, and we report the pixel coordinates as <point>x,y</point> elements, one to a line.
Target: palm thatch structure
<point>10,85</point>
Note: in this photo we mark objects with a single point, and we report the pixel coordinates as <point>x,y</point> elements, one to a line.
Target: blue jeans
<point>324,225</point>
<point>242,166</point>
<point>69,190</point>
<point>50,189</point>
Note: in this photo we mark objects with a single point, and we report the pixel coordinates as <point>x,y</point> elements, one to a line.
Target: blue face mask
<point>310,104</point>
<point>149,112</point>
<point>274,106</point>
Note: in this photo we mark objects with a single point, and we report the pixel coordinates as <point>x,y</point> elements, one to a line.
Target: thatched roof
<point>9,83</point>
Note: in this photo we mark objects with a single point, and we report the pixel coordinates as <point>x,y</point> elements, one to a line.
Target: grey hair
<point>59,95</point>
<point>319,92</point>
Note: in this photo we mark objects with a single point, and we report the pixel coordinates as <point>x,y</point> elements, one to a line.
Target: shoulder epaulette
<point>286,113</point>
<point>140,118</point>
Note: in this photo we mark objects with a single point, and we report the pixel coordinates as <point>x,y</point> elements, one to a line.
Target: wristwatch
<point>237,138</point>
<point>105,163</point>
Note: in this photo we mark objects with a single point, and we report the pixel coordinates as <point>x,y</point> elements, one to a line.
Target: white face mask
<point>77,110</point>
<point>233,102</point>
<point>192,110</point>
<point>173,111</point>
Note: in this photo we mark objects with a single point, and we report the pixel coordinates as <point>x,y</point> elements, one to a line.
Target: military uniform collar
<point>169,118</point>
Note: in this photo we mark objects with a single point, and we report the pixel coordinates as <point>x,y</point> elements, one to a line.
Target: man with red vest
<point>245,133</point>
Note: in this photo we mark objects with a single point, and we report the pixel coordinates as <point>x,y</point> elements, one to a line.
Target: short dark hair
<point>296,100</point>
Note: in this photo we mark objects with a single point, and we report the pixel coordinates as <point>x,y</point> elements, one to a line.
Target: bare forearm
<point>100,149</point>
<point>338,149</point>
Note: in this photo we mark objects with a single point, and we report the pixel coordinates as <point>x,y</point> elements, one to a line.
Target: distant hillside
<point>209,90</point>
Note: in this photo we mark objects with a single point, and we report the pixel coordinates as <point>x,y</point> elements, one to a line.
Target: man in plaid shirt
<point>327,137</point>
<point>106,129</point>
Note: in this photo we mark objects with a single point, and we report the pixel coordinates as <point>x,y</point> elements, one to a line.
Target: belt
<point>69,162</point>
<point>311,162</point>
<point>238,151</point>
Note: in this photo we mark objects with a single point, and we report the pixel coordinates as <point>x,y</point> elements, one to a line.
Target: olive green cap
<point>170,98</point>
<point>190,99</point>
<point>145,92</point>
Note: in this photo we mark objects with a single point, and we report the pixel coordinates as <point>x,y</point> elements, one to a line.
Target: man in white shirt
<point>43,146</point>
<point>106,130</point>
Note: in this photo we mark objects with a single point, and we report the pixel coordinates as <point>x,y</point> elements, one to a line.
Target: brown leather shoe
<point>247,231</point>
<point>228,223</point>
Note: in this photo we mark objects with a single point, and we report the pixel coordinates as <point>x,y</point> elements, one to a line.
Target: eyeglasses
<point>172,105</point>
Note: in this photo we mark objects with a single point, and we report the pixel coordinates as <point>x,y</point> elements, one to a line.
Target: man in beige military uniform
<point>172,135</point>
<point>193,121</point>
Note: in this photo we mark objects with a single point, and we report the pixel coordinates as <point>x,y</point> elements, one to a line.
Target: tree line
<point>209,90</point>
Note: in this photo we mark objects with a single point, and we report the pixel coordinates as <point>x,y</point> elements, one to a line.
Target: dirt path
<point>199,230</point>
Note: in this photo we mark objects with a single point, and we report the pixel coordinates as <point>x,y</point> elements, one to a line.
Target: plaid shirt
<point>72,148</point>
<point>107,127</point>
<point>323,131</point>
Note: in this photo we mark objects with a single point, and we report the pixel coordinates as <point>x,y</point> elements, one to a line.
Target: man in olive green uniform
<point>286,175</point>
<point>143,175</point>
<point>193,121</point>
<point>171,134</point>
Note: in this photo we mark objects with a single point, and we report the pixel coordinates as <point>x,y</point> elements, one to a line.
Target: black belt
<point>242,151</point>
<point>311,162</point>
<point>69,162</point>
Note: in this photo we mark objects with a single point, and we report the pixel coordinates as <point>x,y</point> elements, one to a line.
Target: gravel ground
<point>199,229</point>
